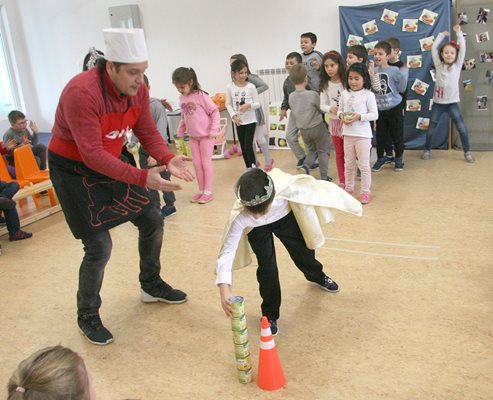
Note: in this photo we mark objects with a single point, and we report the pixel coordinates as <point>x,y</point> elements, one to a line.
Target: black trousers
<point>262,241</point>
<point>245,137</point>
<point>390,128</point>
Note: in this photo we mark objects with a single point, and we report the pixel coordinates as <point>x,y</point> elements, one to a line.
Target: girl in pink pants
<point>200,119</point>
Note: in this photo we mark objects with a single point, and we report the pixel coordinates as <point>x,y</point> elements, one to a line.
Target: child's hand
<point>283,114</point>
<point>445,33</point>
<point>333,109</point>
<point>33,127</point>
<point>213,136</point>
<point>236,120</point>
<point>226,294</point>
<point>371,67</point>
<point>456,28</point>
<point>245,107</point>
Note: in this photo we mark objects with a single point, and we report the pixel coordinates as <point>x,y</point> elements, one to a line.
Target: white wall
<point>52,37</point>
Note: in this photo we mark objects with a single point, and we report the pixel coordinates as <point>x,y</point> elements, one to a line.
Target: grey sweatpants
<point>317,145</point>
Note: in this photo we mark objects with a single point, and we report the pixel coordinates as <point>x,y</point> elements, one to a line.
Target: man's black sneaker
<point>164,293</point>
<point>91,327</point>
<point>274,329</point>
<point>329,285</point>
<point>300,162</point>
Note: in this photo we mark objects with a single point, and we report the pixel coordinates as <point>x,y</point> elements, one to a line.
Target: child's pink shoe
<point>237,150</point>
<point>196,198</point>
<point>205,198</point>
<point>364,198</point>
<point>342,185</point>
<point>268,167</point>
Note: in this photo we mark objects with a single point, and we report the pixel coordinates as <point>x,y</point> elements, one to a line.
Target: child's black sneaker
<point>164,293</point>
<point>300,162</point>
<point>399,164</point>
<point>168,211</point>
<point>274,329</point>
<point>378,164</point>
<point>329,285</point>
<point>91,327</point>
<point>304,169</point>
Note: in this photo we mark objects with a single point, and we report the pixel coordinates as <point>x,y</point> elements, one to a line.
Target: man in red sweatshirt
<point>97,191</point>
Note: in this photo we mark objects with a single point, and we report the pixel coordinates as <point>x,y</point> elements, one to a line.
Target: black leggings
<point>245,136</point>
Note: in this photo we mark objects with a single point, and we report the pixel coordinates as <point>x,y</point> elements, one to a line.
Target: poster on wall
<point>277,127</point>
<point>416,23</point>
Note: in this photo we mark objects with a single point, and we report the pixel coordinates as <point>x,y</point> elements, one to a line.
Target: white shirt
<point>364,103</point>
<point>238,95</point>
<point>279,209</point>
<point>330,97</point>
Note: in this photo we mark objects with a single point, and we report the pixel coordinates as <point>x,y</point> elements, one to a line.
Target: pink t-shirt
<point>199,115</point>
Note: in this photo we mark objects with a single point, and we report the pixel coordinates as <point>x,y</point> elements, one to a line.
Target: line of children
<point>200,119</point>
<point>241,102</point>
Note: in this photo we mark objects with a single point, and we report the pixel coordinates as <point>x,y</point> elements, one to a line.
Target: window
<point>9,94</point>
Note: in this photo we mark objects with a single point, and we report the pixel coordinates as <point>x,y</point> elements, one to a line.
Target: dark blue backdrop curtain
<point>351,20</point>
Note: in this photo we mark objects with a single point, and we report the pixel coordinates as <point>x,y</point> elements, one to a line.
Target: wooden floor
<point>413,319</point>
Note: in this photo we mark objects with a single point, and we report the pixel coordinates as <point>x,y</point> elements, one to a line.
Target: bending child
<point>200,119</point>
<point>291,207</point>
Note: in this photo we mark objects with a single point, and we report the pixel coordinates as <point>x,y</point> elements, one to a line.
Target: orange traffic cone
<point>270,375</point>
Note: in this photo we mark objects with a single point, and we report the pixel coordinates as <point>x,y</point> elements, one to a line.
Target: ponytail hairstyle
<point>53,373</point>
<point>341,69</point>
<point>240,57</point>
<point>186,76</point>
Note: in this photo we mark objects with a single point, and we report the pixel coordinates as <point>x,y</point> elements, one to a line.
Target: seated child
<point>291,207</point>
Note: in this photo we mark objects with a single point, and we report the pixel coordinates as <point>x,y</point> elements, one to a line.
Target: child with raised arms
<point>448,63</point>
<point>332,81</point>
<point>357,108</point>
<point>291,207</point>
<point>241,103</point>
<point>200,119</point>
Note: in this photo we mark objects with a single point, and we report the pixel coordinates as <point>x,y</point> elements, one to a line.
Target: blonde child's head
<point>255,191</point>
<point>53,373</point>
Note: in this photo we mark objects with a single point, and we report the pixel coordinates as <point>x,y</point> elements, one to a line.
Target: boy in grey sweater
<point>306,114</point>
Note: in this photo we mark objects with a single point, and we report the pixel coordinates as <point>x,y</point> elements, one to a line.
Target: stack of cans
<point>240,339</point>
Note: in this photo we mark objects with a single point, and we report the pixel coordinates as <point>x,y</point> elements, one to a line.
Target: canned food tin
<point>245,376</point>
<point>240,337</point>
<point>238,306</point>
<point>243,364</point>
<point>241,350</point>
<point>239,324</point>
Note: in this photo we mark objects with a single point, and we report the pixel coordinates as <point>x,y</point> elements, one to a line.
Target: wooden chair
<point>220,141</point>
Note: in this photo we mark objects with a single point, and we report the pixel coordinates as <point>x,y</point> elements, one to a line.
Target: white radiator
<point>274,77</point>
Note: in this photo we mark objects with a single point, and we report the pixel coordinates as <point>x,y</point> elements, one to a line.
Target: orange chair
<point>26,166</point>
<point>220,141</point>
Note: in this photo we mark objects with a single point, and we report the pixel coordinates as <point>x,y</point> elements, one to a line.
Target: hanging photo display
<point>467,85</point>
<point>482,37</point>
<point>489,77</point>
<point>389,17</point>
<point>428,17</point>
<point>485,56</point>
<point>482,102</point>
<point>415,61</point>
<point>409,25</point>
<point>462,18</point>
<point>413,105</point>
<point>423,123</point>
<point>370,27</point>
<point>426,43</point>
<point>370,47</point>
<point>469,64</point>
<point>420,87</point>
<point>353,40</point>
<point>482,17</point>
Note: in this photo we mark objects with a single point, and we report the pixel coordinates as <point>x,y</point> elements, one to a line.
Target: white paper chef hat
<point>125,45</point>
